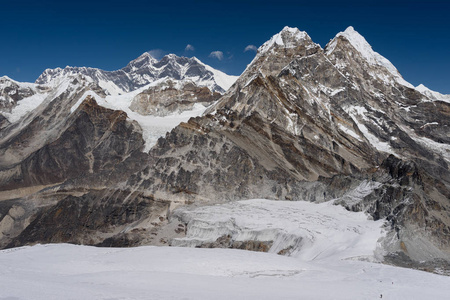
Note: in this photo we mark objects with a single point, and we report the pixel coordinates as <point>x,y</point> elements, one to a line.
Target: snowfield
<point>308,231</point>
<point>65,271</point>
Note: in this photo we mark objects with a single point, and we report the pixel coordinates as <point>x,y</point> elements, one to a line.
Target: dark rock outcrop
<point>95,139</point>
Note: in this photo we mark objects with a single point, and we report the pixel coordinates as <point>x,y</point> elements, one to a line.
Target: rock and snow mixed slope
<point>433,95</point>
<point>301,123</point>
<point>161,95</point>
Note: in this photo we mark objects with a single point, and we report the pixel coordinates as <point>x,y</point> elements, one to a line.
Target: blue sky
<point>413,35</point>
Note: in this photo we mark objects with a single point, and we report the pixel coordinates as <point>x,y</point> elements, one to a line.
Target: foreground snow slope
<point>80,272</point>
<point>62,271</point>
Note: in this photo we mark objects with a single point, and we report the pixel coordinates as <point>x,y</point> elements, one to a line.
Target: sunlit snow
<point>81,272</point>
<point>308,230</point>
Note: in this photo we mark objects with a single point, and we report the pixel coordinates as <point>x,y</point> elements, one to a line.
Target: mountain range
<point>85,159</point>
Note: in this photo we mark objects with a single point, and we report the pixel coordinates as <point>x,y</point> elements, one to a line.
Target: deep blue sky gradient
<point>413,35</point>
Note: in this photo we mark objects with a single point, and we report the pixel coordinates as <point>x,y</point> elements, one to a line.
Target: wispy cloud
<point>157,53</point>
<point>250,48</point>
<point>216,54</point>
<point>189,47</point>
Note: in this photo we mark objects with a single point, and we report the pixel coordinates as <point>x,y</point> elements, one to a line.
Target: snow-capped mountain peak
<point>288,38</point>
<point>222,79</point>
<point>144,60</point>
<point>373,58</point>
<point>145,70</point>
<point>12,91</point>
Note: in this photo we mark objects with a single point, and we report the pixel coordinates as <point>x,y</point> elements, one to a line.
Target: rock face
<point>94,139</point>
<point>172,96</point>
<point>301,123</point>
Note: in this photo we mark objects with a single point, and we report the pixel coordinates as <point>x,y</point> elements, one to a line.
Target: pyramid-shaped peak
<point>357,40</point>
<point>422,88</point>
<point>351,30</point>
<point>144,60</point>
<point>359,43</point>
<point>146,54</point>
<point>144,57</point>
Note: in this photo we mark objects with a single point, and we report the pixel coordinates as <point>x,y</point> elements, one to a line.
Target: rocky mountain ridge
<point>144,70</point>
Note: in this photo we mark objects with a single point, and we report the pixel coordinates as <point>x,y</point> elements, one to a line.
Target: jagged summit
<point>287,38</point>
<point>277,52</point>
<point>145,59</point>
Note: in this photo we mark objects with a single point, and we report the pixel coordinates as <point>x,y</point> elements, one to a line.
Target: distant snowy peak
<point>56,76</point>
<point>225,81</point>
<point>12,91</point>
<point>5,81</point>
<point>432,94</point>
<point>146,59</point>
<point>365,49</point>
<point>143,71</point>
<point>286,38</point>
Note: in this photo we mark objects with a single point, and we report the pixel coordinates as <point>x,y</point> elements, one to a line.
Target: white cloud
<point>250,48</point>
<point>216,54</point>
<point>156,53</point>
<point>189,47</point>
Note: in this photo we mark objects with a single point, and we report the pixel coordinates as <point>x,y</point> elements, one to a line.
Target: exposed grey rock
<point>172,96</point>
<point>98,217</point>
<point>227,242</point>
<point>3,122</point>
<point>93,139</point>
